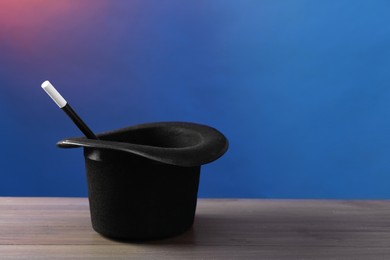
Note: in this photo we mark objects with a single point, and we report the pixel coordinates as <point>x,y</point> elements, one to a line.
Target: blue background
<point>300,88</point>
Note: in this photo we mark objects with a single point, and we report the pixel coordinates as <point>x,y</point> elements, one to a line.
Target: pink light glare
<point>42,39</point>
<point>73,43</point>
<point>23,22</point>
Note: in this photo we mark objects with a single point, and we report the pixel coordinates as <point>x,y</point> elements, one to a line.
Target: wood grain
<point>60,228</point>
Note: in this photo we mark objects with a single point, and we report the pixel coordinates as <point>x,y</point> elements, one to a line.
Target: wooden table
<point>59,228</point>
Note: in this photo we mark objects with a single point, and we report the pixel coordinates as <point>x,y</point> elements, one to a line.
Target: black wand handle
<point>63,104</point>
<point>79,122</point>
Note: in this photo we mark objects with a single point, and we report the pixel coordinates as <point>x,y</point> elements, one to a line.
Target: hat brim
<point>176,143</point>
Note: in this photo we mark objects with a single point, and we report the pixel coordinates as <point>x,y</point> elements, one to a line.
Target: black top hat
<point>175,143</point>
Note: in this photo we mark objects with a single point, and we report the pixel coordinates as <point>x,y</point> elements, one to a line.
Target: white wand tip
<point>53,93</point>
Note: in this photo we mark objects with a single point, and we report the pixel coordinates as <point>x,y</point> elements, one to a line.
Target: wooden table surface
<point>60,228</point>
